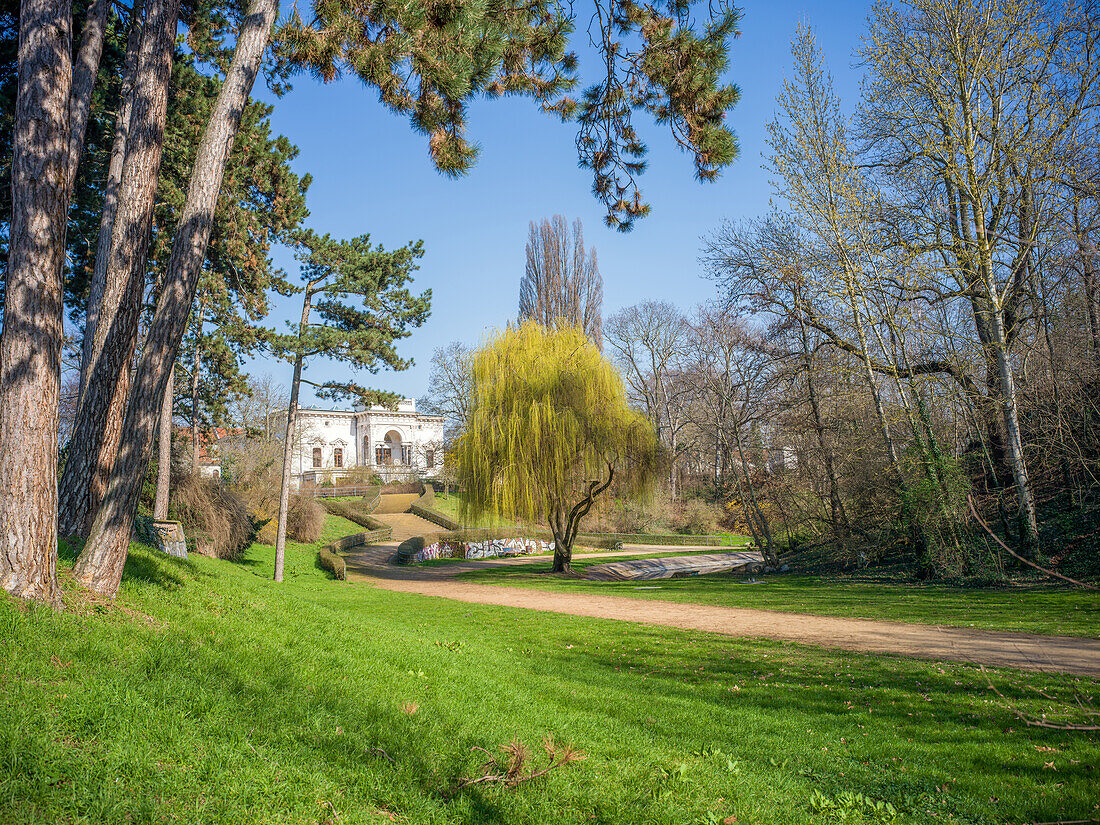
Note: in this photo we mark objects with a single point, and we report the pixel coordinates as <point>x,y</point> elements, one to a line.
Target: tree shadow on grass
<point>144,564</point>
<point>151,567</point>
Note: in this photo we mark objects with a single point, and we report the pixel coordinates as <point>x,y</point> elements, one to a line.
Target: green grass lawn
<point>207,693</point>
<point>451,506</point>
<point>1031,608</point>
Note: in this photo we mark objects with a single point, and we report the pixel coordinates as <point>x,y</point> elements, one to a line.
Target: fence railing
<point>339,492</point>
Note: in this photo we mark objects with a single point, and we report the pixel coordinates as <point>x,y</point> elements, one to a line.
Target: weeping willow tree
<point>549,431</point>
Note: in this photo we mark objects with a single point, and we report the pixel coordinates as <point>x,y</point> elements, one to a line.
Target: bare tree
<point>450,385</point>
<point>561,284</point>
<point>649,345</point>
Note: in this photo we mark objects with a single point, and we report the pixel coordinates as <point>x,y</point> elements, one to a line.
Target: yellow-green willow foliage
<point>549,430</point>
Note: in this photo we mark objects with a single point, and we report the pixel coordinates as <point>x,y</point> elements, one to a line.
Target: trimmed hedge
<point>435,517</point>
<point>332,562</point>
<point>423,507</point>
<point>673,539</point>
<point>356,512</point>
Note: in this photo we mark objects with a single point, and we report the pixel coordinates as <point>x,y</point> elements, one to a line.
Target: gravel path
<point>1058,654</point>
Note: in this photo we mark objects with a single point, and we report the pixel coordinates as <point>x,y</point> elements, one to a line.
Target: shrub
<point>353,511</point>
<point>304,519</point>
<point>633,517</point>
<point>269,531</point>
<point>697,518</point>
<point>207,509</point>
<point>402,487</point>
<point>332,561</point>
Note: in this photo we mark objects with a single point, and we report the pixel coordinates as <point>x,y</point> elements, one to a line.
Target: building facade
<point>395,444</point>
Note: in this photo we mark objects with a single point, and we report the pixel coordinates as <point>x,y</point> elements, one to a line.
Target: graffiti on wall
<point>488,549</point>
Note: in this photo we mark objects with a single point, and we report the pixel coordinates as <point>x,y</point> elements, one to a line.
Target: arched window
<point>316,457</point>
<point>338,457</point>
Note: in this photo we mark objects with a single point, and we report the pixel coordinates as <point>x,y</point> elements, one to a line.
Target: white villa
<point>395,444</point>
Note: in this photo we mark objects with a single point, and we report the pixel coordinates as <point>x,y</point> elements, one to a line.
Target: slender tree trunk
<point>288,457</point>
<point>97,430</point>
<point>30,345</point>
<point>1006,386</point>
<point>100,564</point>
<point>195,403</point>
<point>288,443</point>
<point>758,517</point>
<point>85,68</point>
<point>836,505</point>
<point>1092,295</point>
<point>93,336</point>
<point>164,451</point>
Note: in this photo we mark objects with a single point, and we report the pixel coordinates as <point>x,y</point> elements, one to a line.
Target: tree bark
<point>836,505</point>
<point>93,337</point>
<point>164,451</point>
<point>85,68</point>
<point>288,443</point>
<point>30,345</point>
<point>195,362</point>
<point>97,431</point>
<point>565,527</point>
<point>100,564</point>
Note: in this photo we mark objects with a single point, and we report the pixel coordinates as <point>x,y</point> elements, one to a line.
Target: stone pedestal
<point>170,538</point>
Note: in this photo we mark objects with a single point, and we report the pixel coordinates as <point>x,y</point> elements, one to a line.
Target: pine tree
<point>363,338</point>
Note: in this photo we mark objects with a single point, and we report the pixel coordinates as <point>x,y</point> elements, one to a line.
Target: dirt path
<point>395,503</point>
<point>406,525</point>
<point>1061,654</point>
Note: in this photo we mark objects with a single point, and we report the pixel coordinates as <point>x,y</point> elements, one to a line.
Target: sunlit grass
<point>208,693</point>
<point>1030,608</point>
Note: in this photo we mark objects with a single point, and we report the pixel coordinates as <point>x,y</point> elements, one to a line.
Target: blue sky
<point>371,174</point>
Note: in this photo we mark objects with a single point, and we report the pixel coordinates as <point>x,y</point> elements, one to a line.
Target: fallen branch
<point>1038,721</point>
<point>1014,554</point>
<point>511,768</point>
<point>383,754</point>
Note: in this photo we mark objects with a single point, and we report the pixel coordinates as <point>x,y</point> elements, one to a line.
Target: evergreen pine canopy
<point>549,429</point>
<point>362,331</point>
<point>429,58</point>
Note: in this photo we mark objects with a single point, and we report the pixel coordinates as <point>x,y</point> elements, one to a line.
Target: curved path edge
<point>1050,654</point>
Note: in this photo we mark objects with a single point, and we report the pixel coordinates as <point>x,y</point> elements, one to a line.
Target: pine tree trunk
<point>30,345</point>
<point>164,451</point>
<point>100,564</point>
<point>288,458</point>
<point>93,341</point>
<point>85,68</point>
<point>195,406</point>
<point>97,430</point>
